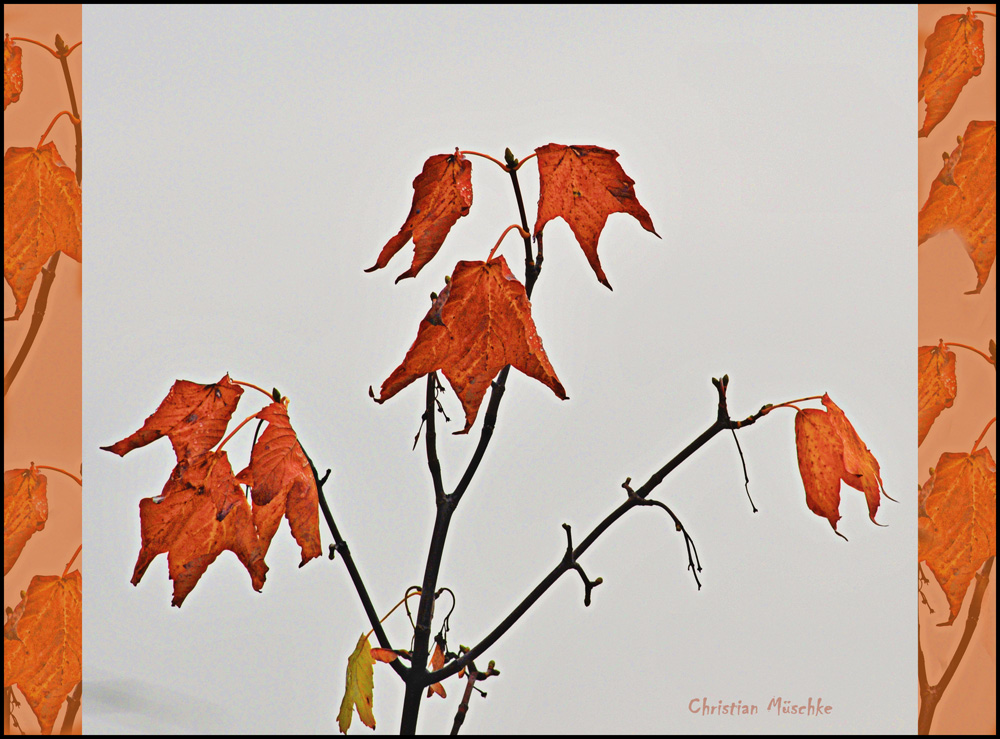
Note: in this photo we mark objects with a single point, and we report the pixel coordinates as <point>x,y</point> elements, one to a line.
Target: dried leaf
<point>200,514</point>
<point>955,55</point>
<point>442,193</point>
<point>936,385</point>
<point>830,451</point>
<point>25,510</point>
<point>964,198</point>
<point>437,662</point>
<point>360,687</point>
<point>12,80</point>
<point>485,324</point>
<point>44,658</point>
<point>41,215</point>
<point>584,185</point>
<point>193,416</point>
<point>961,511</point>
<point>283,484</point>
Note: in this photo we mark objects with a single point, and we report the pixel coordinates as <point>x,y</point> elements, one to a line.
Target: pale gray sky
<point>245,164</point>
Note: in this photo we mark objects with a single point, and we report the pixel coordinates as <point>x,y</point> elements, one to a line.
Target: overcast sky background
<point>244,165</point>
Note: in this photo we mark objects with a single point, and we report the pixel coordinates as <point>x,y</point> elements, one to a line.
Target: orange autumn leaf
<point>442,193</point>
<point>485,324</point>
<point>41,215</point>
<point>42,651</point>
<point>954,56</point>
<point>384,655</point>
<point>437,662</point>
<point>961,511</point>
<point>360,688</point>
<point>584,185</point>
<point>25,510</point>
<point>964,198</point>
<point>282,484</point>
<point>830,451</point>
<point>200,514</point>
<point>13,82</point>
<point>193,416</point>
<point>936,385</point>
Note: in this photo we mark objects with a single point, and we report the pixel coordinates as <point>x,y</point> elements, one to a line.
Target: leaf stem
<point>242,423</point>
<point>524,234</point>
<point>486,156</point>
<point>72,559</point>
<point>988,424</point>
<point>52,51</point>
<point>971,349</point>
<point>58,469</point>
<point>391,610</point>
<point>66,113</point>
<point>72,708</point>
<point>255,387</point>
<point>983,12</point>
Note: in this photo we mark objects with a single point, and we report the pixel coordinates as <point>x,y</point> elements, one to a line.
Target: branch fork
<point>569,562</point>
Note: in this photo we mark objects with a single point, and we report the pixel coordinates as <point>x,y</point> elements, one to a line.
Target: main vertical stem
<point>415,682</point>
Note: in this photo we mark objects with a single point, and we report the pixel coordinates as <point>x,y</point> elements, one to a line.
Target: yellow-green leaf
<point>360,687</point>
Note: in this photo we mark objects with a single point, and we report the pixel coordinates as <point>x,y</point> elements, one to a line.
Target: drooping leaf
<point>283,484</point>
<point>193,416</point>
<point>360,687</point>
<point>200,514</point>
<point>830,451</point>
<point>485,324</point>
<point>41,215</point>
<point>964,198</point>
<point>961,511</point>
<point>42,652</point>
<point>442,193</point>
<point>936,385</point>
<point>954,56</point>
<point>584,185</point>
<point>13,82</point>
<point>437,662</point>
<point>25,510</point>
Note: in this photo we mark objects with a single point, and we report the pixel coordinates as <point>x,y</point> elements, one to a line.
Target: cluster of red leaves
<point>829,452</point>
<point>482,321</point>
<point>955,54</point>
<point>202,511</point>
<point>963,197</point>
<point>42,643</point>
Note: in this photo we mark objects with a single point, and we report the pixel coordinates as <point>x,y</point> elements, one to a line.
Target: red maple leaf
<point>442,193</point>
<point>200,514</point>
<point>954,56</point>
<point>25,510</point>
<point>830,451</point>
<point>193,416</point>
<point>584,185</point>
<point>960,532</point>
<point>41,215</point>
<point>485,324</point>
<point>43,644</point>
<point>282,484</point>
<point>13,82</point>
<point>936,385</point>
<point>964,197</point>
